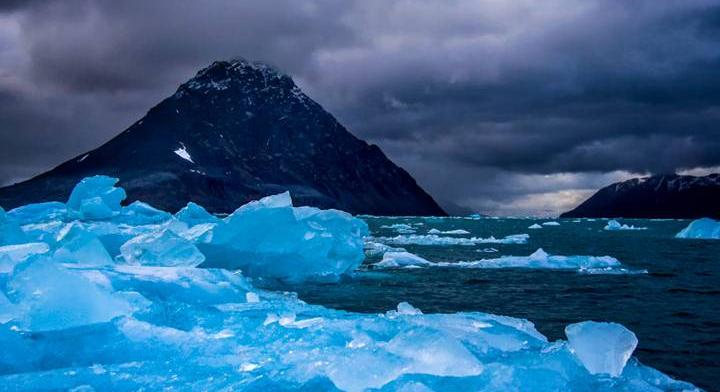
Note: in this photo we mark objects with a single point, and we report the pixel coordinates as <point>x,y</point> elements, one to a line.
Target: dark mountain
<point>665,196</point>
<point>235,132</point>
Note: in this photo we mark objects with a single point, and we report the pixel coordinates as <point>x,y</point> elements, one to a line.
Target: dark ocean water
<point>674,309</point>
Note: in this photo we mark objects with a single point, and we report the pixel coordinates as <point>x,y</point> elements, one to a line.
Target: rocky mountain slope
<point>662,196</point>
<point>235,132</point>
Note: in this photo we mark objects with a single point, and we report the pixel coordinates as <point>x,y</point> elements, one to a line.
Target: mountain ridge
<point>659,196</point>
<point>237,131</point>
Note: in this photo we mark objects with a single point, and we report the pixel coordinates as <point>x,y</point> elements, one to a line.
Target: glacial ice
<point>614,225</point>
<point>76,244</point>
<point>539,260</point>
<point>434,239</point>
<point>603,348</point>
<point>95,198</point>
<point>271,238</point>
<point>10,232</point>
<point>705,228</point>
<point>73,317</point>
<point>534,226</point>
<point>401,259</point>
<point>161,248</point>
<point>194,214</point>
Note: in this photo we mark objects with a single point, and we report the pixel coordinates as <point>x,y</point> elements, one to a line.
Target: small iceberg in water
<point>538,260</point>
<point>434,239</point>
<point>705,229</point>
<point>614,225</point>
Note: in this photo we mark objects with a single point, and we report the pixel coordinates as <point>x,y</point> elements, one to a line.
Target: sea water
<point>673,308</point>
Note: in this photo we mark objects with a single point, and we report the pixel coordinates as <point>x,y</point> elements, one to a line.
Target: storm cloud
<point>502,107</point>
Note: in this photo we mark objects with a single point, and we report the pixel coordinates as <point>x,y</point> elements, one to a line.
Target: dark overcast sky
<point>505,107</point>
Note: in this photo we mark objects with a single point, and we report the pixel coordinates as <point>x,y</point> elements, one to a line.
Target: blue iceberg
<point>705,228</point>
<point>143,315</point>
<point>270,238</point>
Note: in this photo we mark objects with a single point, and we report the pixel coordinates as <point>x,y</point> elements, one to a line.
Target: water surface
<point>674,308</point>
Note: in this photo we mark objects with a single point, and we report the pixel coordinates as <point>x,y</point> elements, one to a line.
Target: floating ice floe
<point>402,228</point>
<point>452,232</point>
<point>401,259</point>
<point>705,228</point>
<point>614,225</point>
<point>534,226</point>
<point>377,249</point>
<point>72,318</point>
<point>434,239</point>
<point>551,223</point>
<point>538,260</point>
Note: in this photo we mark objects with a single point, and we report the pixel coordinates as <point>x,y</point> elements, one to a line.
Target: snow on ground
<point>183,153</point>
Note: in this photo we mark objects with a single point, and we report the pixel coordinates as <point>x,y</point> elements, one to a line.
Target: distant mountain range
<point>235,132</point>
<point>662,196</point>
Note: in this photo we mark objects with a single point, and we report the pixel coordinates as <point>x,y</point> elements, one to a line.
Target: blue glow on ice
<point>112,299</point>
<point>705,229</point>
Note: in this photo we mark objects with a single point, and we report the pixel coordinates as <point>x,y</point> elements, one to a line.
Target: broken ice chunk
<point>534,226</point>
<point>603,348</point>
<point>95,198</point>
<point>77,245</point>
<point>139,213</point>
<point>10,232</point>
<point>163,248</point>
<point>401,259</point>
<point>50,297</point>
<point>11,255</point>
<point>271,238</point>
<point>194,214</point>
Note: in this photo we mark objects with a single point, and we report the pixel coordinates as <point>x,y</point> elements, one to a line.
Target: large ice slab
<point>271,238</point>
<point>705,228</point>
<point>603,348</point>
<point>47,296</point>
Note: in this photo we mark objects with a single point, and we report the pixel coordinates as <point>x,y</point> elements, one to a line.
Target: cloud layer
<point>503,107</point>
